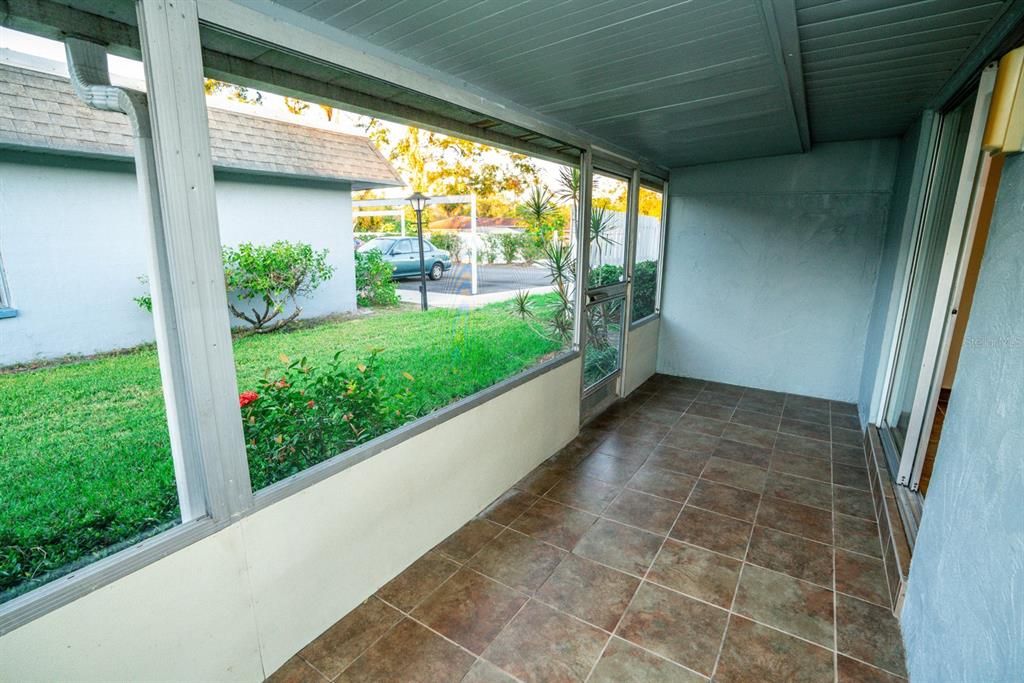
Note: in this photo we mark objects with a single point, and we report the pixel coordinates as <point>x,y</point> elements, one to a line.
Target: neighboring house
<point>484,224</point>
<point>72,242</point>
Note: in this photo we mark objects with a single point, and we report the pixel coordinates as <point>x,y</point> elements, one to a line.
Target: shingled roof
<point>40,112</point>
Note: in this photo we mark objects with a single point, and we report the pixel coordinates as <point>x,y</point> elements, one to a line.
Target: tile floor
<point>693,531</point>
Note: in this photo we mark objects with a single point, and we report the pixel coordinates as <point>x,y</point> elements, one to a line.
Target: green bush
<point>608,274</point>
<point>534,247</point>
<point>374,284</point>
<point>509,244</point>
<point>273,276</point>
<point>450,242</point>
<point>308,414</point>
<point>490,249</point>
<point>645,288</point>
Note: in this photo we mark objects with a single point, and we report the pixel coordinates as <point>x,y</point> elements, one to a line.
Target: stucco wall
<point>891,272</point>
<point>237,604</point>
<point>771,266</point>
<point>73,245</point>
<point>641,355</point>
<point>963,618</point>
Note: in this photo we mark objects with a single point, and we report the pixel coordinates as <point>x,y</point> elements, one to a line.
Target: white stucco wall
<point>235,605</point>
<point>73,244</point>
<point>641,355</point>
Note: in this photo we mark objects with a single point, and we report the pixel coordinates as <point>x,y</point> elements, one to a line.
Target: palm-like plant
<point>561,265</point>
<point>568,184</point>
<point>602,223</point>
<point>538,207</point>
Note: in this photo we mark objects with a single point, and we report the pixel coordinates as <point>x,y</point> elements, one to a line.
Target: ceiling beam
<point>780,19</point>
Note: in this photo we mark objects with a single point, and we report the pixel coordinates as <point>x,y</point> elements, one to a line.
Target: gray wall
<point>963,619</point>
<point>73,245</point>
<point>891,271</point>
<point>771,266</point>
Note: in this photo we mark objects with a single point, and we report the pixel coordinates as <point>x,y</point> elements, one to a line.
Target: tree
<point>538,209</point>
<point>239,93</point>
<point>295,106</point>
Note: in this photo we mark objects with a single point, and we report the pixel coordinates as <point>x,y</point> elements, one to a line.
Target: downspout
<point>90,78</point>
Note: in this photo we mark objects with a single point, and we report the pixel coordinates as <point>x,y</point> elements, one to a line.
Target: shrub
<point>144,300</point>
<point>308,414</point>
<point>374,284</point>
<point>273,276</point>
<point>607,274</point>
<point>450,242</point>
<point>645,287</point>
<point>491,247</point>
<point>534,247</point>
<point>509,244</point>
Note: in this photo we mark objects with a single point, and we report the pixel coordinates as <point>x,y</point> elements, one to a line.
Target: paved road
<point>490,280</point>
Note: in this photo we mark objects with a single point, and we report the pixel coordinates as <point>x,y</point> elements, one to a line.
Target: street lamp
<point>419,201</point>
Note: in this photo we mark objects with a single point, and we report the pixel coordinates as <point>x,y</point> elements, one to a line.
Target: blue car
<point>403,253</point>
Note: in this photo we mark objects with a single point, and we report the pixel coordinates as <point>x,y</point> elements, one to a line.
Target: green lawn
<point>84,456</point>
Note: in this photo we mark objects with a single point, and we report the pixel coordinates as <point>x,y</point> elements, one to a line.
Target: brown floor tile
<point>737,474</point>
<point>412,654</point>
<point>485,672</point>
<point>793,555</point>
<point>663,483</point>
<point>539,481</point>
<point>608,468</point>
<point>802,466</point>
<point>853,476</point>
<point>849,455</point>
<point>807,430</point>
<point>517,560</point>
<point>715,412</point>
<point>760,405</point>
<point>626,448</point>
<point>744,452</point>
<point>541,644</point>
<point>296,670</point>
<point>636,427</point>
<point>728,398</point>
<point>469,609</point>
<point>762,438</point>
<point>854,503</point>
<point>799,490</point>
<point>846,422</point>
<point>713,531</point>
<point>796,607</point>
<point>465,542</point>
<point>752,418</point>
<point>677,403</point>
<point>700,425</point>
<point>843,408</point>
<point>660,416</point>
<point>568,458</point>
<point>697,572</point>
<point>753,653</point>
<point>678,460</point>
<point>584,493</point>
<point>508,506</point>
<point>869,633</point>
<point>641,510</point>
<point>858,535</point>
<point>799,445</point>
<point>725,500</point>
<point>690,441</point>
<point>847,437</point>
<point>793,518</point>
<point>684,630</point>
<point>797,401</point>
<point>852,671</point>
<point>862,577</point>
<point>554,523</point>
<point>794,412</point>
<point>419,580</point>
<point>590,591</point>
<point>623,547</point>
<point>623,662</point>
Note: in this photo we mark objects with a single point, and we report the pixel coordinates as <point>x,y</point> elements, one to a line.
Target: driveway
<point>490,280</point>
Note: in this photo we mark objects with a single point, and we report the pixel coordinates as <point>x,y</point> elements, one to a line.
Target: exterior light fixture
<point>418,201</point>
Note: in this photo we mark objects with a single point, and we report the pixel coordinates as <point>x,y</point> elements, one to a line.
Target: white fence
<point>613,249</point>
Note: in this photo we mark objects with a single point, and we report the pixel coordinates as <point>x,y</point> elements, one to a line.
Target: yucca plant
<point>602,223</point>
<point>561,264</point>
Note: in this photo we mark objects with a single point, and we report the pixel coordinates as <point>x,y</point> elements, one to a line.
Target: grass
<point>84,455</point>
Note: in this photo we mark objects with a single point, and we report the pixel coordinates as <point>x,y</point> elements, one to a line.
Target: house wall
<point>771,266</point>
<point>73,246</point>
<point>892,270</point>
<point>963,618</point>
<point>239,603</point>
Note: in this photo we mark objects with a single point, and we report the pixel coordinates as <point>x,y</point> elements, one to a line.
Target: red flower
<point>310,404</point>
<point>281,383</point>
<point>247,397</point>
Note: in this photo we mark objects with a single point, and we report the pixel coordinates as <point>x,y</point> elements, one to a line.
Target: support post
<point>472,245</point>
<point>209,413</point>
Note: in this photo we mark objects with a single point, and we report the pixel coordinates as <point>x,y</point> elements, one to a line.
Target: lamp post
<point>419,201</point>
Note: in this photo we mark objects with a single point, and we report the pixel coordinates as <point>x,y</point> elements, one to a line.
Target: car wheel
<point>436,271</point>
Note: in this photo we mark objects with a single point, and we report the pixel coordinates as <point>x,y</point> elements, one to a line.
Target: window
<point>403,247</point>
<point>5,296</point>
<point>647,267</point>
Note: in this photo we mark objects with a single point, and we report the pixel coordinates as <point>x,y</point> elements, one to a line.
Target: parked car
<point>404,254</point>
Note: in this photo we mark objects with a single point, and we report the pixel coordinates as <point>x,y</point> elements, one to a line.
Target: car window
<point>380,244</point>
<point>427,246</point>
<point>402,247</point>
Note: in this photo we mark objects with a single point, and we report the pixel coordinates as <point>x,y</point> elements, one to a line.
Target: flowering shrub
<point>308,414</point>
<point>374,283</point>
